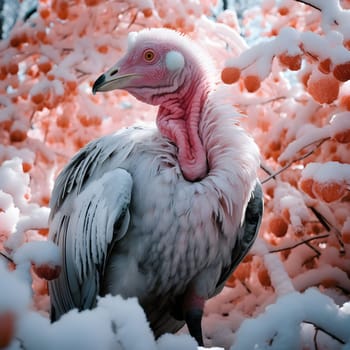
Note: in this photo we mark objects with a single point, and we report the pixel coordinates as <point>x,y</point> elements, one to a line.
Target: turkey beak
<point>112,80</point>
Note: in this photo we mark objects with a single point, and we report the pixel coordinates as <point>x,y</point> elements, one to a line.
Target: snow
<point>183,341</point>
<point>327,172</point>
<point>114,324</point>
<point>309,135</point>
<point>286,280</point>
<point>339,122</point>
<point>15,293</point>
<point>38,252</point>
<point>279,325</point>
<point>278,275</point>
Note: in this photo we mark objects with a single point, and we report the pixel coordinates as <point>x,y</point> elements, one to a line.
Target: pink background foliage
<point>294,88</point>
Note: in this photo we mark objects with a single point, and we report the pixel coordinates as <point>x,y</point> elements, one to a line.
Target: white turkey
<point>165,213</point>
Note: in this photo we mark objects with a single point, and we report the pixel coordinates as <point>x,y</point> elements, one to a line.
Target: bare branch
<point>267,171</point>
<point>318,328</point>
<point>273,176</point>
<point>315,338</point>
<point>309,4</point>
<point>305,241</point>
<point>263,101</point>
<point>321,219</point>
<point>6,257</point>
<point>329,227</point>
<point>318,253</point>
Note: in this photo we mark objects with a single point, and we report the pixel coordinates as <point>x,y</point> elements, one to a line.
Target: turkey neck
<point>178,119</point>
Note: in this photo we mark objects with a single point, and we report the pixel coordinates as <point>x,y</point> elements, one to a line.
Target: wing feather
<point>90,219</point>
<point>247,234</point>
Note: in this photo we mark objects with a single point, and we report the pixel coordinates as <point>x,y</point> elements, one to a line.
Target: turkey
<point>163,213</point>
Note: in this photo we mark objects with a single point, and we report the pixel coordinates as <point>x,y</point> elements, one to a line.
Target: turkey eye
<point>148,55</point>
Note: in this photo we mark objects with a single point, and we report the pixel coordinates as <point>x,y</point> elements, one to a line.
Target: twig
<point>305,241</point>
<point>273,176</point>
<point>133,20</point>
<point>321,219</point>
<point>311,5</point>
<point>246,287</point>
<point>325,331</point>
<point>315,339</point>
<point>318,253</point>
<point>263,102</point>
<point>6,257</point>
<point>267,171</point>
<point>315,7</point>
<point>329,227</point>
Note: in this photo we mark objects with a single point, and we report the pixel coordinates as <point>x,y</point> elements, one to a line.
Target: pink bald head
<point>162,67</point>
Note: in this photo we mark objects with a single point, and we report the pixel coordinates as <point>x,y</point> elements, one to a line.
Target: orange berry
<point>95,120</point>
<point>147,12</point>
<point>62,9</point>
<point>248,258</point>
<point>102,49</point>
<point>63,121</point>
<point>47,271</point>
<point>323,89</point>
<point>307,186</point>
<point>45,66</point>
<point>50,77</point>
<point>26,167</point>
<point>13,68</point>
<point>242,272</point>
<point>325,66</point>
<point>230,75</point>
<point>345,102</point>
<point>329,191</point>
<point>304,78</point>
<point>275,146</point>
<point>346,237</point>
<point>84,120</point>
<point>291,62</point>
<point>17,135</point>
<point>41,36</point>
<point>7,328</point>
<point>3,72</point>
<point>283,11</point>
<point>71,84</point>
<point>180,22</point>
<point>44,13</point>
<point>342,136</point>
<point>286,214</point>
<point>45,200</point>
<point>264,277</point>
<point>231,281</point>
<point>15,41</point>
<point>278,226</point>
<point>342,71</point>
<point>63,13</point>
<point>347,44</point>
<point>92,2</point>
<point>329,283</point>
<point>6,125</point>
<point>252,83</point>
<point>38,98</point>
<point>43,231</point>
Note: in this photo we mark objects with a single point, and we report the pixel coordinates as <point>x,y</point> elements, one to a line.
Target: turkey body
<point>179,233</point>
<point>130,221</point>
